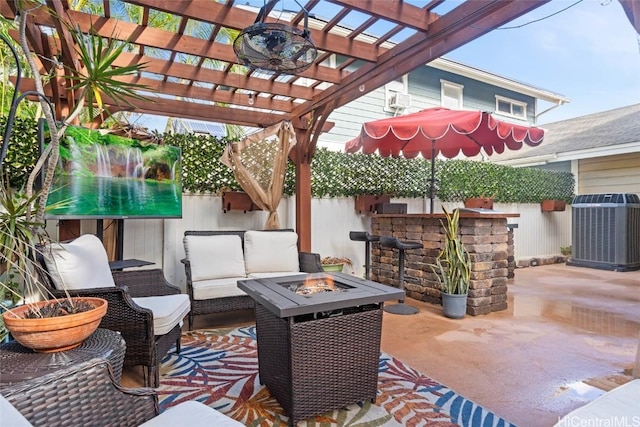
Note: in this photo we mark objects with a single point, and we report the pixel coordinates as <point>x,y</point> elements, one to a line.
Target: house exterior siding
<point>610,174</point>
<point>424,86</point>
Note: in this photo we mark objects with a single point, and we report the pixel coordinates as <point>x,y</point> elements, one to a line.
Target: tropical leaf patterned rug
<point>220,369</point>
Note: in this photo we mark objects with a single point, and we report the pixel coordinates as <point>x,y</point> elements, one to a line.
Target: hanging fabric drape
<point>259,164</point>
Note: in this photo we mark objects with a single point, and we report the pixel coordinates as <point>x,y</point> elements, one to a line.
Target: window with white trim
<point>451,95</point>
<point>511,107</point>
<point>398,86</point>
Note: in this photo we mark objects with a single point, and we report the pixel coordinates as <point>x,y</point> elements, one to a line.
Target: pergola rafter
<point>392,38</point>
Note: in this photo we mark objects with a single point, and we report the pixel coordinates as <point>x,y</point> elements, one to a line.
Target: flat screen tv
<point>105,176</point>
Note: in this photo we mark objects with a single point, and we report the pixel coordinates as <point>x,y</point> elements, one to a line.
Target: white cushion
<point>11,416</point>
<point>621,403</point>
<point>80,264</point>
<point>270,251</point>
<point>217,288</point>
<point>276,274</point>
<point>168,310</point>
<point>193,414</point>
<point>214,257</point>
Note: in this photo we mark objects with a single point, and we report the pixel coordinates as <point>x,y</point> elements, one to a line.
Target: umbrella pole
<point>432,185</point>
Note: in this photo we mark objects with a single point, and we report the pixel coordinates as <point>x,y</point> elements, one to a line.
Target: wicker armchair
<point>82,395</point>
<point>136,324</point>
<point>236,300</point>
<point>88,395</point>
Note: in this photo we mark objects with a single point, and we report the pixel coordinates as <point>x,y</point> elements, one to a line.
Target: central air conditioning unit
<point>606,231</point>
<point>400,100</point>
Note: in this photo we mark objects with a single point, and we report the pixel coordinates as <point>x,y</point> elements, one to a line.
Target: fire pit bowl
<point>311,286</point>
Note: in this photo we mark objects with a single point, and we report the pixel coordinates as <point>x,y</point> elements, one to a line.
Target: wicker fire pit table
<point>318,339</point>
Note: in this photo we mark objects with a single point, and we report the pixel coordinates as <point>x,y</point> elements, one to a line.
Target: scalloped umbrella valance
<point>441,131</point>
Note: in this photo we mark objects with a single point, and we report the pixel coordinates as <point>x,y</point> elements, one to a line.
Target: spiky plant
<point>22,212</point>
<point>453,264</point>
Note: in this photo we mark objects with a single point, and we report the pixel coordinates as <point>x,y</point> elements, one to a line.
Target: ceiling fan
<point>275,47</point>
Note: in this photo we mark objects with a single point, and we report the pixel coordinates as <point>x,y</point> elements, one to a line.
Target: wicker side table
<point>18,363</point>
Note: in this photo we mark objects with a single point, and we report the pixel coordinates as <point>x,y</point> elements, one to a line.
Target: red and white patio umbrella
<point>441,131</point>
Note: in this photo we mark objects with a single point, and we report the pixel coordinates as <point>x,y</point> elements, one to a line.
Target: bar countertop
<point>464,213</point>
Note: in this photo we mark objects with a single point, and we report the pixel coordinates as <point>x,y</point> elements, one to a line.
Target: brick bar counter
<point>486,237</point>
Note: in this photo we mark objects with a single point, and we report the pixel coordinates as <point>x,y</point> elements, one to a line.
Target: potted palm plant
<point>40,325</point>
<point>22,211</point>
<point>453,269</point>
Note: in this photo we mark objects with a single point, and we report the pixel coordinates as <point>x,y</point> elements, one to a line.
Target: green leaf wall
<point>336,174</point>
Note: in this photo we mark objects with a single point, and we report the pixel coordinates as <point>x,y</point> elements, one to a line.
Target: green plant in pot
<point>331,263</point>
<point>453,268</point>
<point>51,325</point>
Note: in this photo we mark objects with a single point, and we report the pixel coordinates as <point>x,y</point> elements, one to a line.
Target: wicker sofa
<point>88,395</point>
<point>216,260</point>
<point>146,309</point>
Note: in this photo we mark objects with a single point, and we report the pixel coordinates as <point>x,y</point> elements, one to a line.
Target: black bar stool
<point>393,242</point>
<point>364,236</point>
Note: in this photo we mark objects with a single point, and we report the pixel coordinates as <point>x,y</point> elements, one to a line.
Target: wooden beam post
<point>303,205</point>
<point>301,156</point>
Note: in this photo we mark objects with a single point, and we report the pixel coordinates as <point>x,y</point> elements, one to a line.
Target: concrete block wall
<point>486,239</point>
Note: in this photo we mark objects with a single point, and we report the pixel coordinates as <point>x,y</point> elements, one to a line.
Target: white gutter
<point>589,153</point>
<point>535,119</point>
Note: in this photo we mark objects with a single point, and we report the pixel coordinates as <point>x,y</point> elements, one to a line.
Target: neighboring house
<point>442,83</point>
<point>602,150</point>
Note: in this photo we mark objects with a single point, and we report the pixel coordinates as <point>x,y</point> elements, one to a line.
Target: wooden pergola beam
<point>363,62</point>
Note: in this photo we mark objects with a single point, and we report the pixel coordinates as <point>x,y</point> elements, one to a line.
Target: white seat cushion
<point>214,257</point>
<point>168,310</point>
<point>621,403</point>
<point>80,264</point>
<point>193,414</point>
<point>276,274</point>
<point>11,416</point>
<point>270,251</point>
<point>217,288</point>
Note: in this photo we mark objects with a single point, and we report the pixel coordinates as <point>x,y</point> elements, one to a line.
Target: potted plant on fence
<point>453,269</point>
<point>22,211</point>
<point>482,202</point>
<point>330,263</point>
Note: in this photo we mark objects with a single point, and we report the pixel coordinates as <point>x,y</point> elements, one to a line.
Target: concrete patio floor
<point>569,334</point>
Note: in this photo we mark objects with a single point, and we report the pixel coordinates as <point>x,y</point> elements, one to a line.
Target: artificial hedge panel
<point>22,152</point>
<point>336,174</point>
<point>202,171</point>
<point>460,179</point>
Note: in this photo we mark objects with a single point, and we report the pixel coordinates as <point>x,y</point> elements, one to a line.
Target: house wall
<point>424,86</point>
<point>609,174</point>
<point>538,234</point>
<point>564,166</point>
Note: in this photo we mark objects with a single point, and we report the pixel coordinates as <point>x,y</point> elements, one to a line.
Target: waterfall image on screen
<point>100,175</point>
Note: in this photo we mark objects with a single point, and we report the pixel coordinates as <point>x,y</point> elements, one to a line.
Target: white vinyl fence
<point>538,234</point>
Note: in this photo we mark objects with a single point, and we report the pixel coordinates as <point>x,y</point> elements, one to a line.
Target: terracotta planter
<point>478,202</point>
<point>552,205</point>
<point>238,201</point>
<point>51,334</point>
<point>366,203</point>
